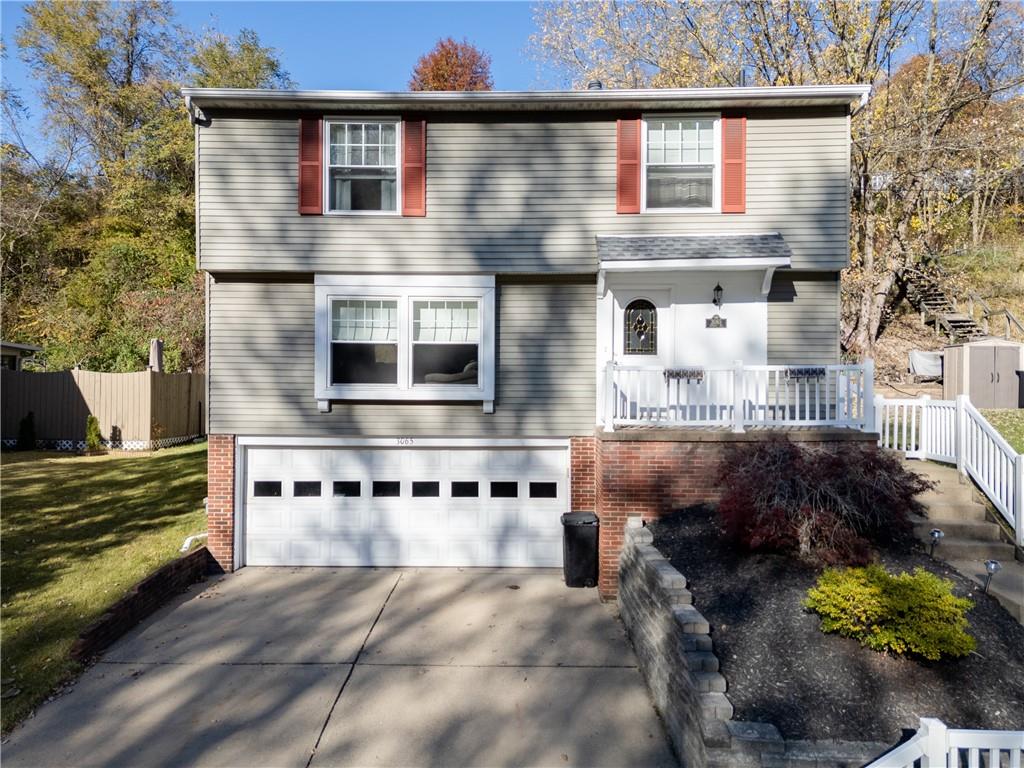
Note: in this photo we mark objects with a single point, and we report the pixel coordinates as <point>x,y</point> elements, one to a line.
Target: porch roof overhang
<point>704,252</point>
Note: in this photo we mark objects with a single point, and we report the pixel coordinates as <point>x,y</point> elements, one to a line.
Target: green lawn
<point>1010,424</point>
<point>78,531</point>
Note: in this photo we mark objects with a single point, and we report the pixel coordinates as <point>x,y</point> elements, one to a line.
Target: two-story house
<point>436,321</point>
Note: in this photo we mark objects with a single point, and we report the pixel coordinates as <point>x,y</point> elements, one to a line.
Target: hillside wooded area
<point>98,235</point>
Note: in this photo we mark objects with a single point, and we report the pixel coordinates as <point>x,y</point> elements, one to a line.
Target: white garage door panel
<point>449,529</point>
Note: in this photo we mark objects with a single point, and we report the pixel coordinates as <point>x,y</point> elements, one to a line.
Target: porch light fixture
<point>992,567</point>
<point>936,534</point>
<point>717,295</point>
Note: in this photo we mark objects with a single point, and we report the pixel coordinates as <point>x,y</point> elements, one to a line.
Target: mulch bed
<point>782,669</point>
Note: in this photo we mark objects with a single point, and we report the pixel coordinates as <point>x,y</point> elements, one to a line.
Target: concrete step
<point>974,549</point>
<point>948,492</point>
<point>955,511</point>
<point>1007,586</point>
<point>957,530</point>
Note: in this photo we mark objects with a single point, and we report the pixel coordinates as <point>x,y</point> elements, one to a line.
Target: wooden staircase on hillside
<point>951,317</point>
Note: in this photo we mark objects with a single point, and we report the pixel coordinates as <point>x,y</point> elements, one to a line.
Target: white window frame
<point>405,289</point>
<point>326,153</point>
<point>716,186</point>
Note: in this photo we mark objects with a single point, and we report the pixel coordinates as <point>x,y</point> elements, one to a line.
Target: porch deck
<point>763,398</point>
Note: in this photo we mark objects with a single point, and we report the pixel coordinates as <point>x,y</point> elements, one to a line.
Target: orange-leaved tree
<point>452,66</point>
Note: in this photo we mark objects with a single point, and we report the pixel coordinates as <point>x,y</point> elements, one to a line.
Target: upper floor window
<point>681,163</point>
<point>362,166</point>
<point>394,337</point>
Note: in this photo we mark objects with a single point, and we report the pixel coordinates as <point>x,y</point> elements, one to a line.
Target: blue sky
<point>364,45</point>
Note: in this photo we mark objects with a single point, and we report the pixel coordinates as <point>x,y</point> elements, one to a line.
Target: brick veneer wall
<point>220,501</point>
<point>583,474</point>
<point>649,473</point>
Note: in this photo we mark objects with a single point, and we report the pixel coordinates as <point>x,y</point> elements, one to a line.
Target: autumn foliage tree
<point>97,238</point>
<point>452,66</point>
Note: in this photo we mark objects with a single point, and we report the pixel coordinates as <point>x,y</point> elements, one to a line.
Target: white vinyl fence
<point>955,432</point>
<point>936,746</point>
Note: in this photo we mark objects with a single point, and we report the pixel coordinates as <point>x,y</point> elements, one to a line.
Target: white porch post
<point>868,396</point>
<point>738,390</point>
<point>933,734</point>
<point>961,433</point>
<point>609,396</point>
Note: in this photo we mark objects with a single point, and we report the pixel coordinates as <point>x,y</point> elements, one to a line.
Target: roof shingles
<point>647,248</point>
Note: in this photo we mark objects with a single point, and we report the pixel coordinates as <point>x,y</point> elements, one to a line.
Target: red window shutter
<point>414,167</point>
<point>311,152</point>
<point>627,185</point>
<point>734,164</point>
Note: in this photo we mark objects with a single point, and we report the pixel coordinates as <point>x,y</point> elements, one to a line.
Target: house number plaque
<point>715,321</point>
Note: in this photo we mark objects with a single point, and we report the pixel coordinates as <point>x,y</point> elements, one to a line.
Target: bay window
<point>362,166</point>
<point>381,337</point>
<point>681,162</point>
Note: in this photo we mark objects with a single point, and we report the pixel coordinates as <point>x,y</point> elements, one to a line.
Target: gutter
<point>197,97</point>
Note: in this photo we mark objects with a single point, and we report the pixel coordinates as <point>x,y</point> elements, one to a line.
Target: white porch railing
<point>740,396</point>
<point>934,745</point>
<point>955,432</point>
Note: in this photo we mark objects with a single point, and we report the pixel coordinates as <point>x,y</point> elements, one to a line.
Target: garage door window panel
<point>306,489</point>
<point>266,488</point>
<point>387,488</point>
<point>349,488</point>
<point>378,339</point>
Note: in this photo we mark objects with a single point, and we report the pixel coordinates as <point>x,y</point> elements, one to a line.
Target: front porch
<point>739,397</point>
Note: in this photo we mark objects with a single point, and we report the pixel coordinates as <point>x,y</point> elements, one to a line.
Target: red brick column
<point>220,501</point>
<point>583,474</point>
<point>647,479</point>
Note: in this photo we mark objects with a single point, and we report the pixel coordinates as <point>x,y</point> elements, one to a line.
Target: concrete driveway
<point>360,667</point>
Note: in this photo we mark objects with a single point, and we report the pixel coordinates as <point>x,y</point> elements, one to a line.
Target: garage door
<point>379,506</point>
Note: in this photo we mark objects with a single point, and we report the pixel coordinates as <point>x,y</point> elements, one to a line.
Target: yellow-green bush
<point>905,613</point>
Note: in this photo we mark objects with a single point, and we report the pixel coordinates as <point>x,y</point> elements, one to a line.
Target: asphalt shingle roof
<point>641,247</point>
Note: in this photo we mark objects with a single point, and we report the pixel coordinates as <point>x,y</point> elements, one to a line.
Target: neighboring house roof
<point>598,99</point>
<point>20,347</point>
<point>767,245</point>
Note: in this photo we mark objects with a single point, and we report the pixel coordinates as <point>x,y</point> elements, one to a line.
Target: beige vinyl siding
<point>261,372</point>
<point>508,195</point>
<point>803,319</point>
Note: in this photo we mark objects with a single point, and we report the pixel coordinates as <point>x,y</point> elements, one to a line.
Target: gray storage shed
<point>985,370</point>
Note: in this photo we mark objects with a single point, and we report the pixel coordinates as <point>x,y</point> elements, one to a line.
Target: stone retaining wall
<point>142,600</point>
<point>676,655</point>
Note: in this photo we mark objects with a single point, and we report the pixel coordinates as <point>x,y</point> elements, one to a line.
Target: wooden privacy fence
<point>136,411</point>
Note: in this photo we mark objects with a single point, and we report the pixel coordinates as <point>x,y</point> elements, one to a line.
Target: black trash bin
<point>579,549</point>
<point>1020,389</point>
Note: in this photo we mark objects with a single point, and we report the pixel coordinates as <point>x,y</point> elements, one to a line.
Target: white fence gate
<point>936,746</point>
<point>955,432</point>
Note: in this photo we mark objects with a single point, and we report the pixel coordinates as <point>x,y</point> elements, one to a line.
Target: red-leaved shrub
<point>826,505</point>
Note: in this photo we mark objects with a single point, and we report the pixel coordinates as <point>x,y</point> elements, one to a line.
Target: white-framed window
<point>681,163</point>
<point>362,165</point>
<point>399,337</point>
